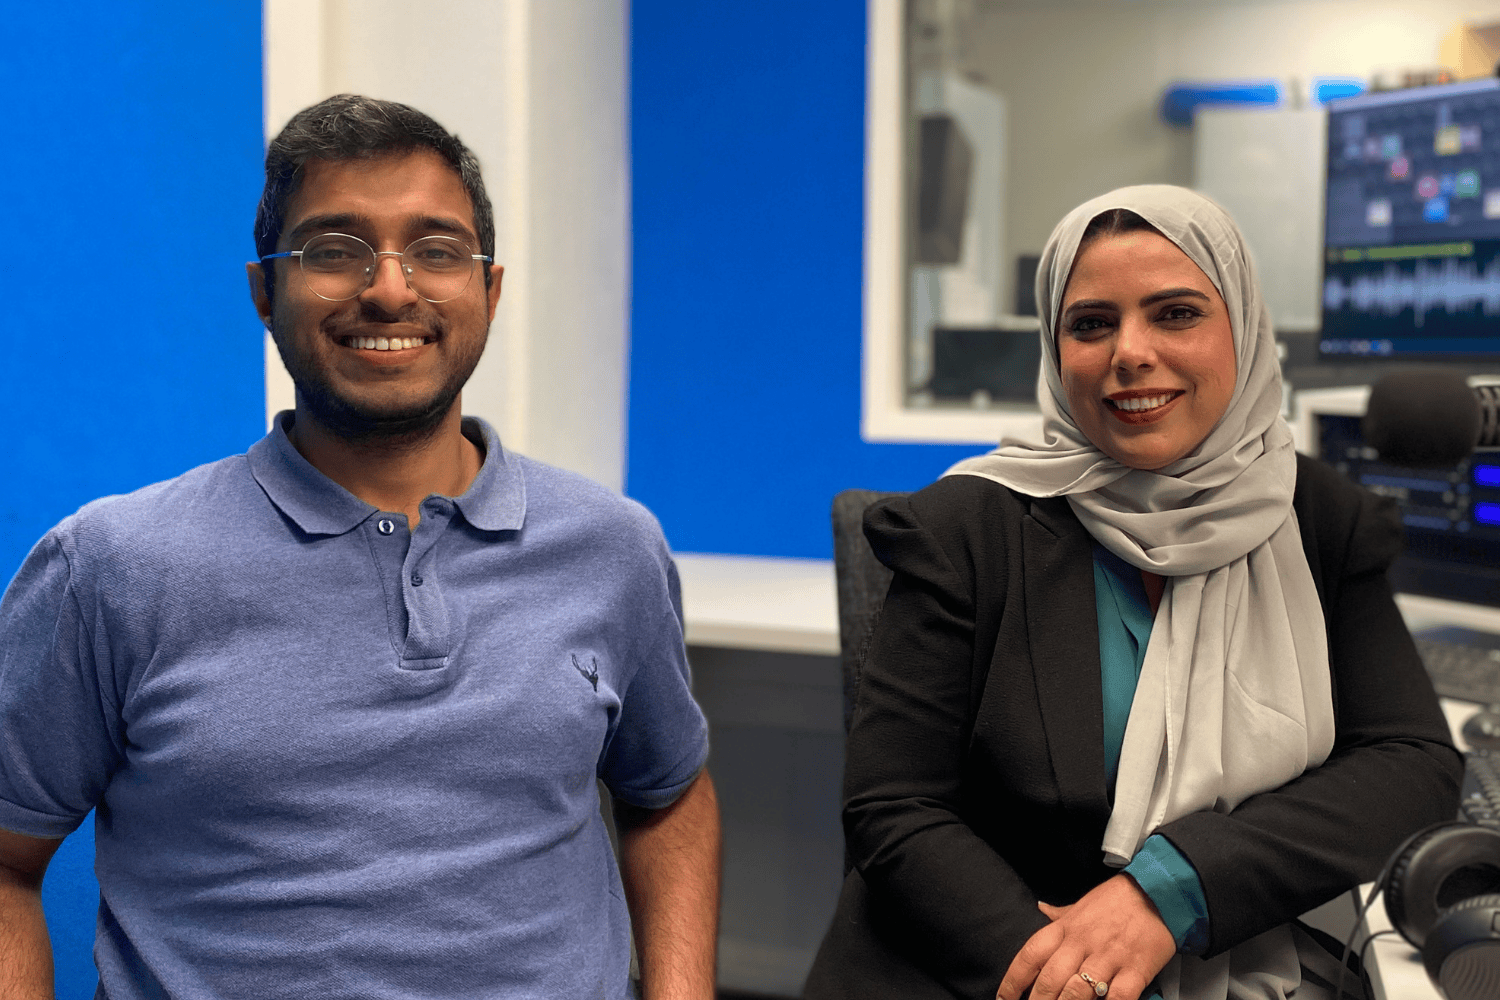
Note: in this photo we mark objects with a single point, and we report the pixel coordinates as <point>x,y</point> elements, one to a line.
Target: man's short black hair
<point>349,127</point>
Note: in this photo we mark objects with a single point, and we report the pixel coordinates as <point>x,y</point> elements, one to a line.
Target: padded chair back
<point>862,583</point>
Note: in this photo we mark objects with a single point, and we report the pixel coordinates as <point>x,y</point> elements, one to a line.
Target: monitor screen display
<point>1412,240</point>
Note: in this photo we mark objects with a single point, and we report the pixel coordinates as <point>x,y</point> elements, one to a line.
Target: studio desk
<point>763,642</point>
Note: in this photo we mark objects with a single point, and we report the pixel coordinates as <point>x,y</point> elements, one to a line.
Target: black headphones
<point>1442,892</point>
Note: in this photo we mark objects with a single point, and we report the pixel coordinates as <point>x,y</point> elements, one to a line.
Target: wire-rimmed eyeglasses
<point>337,266</point>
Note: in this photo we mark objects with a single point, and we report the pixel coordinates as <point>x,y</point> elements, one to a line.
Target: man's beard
<point>400,425</point>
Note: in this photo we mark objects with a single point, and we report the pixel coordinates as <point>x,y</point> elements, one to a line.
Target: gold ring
<point>1100,988</point>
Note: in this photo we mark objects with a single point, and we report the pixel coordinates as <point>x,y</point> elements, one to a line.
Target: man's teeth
<point>384,343</point>
<point>1142,402</point>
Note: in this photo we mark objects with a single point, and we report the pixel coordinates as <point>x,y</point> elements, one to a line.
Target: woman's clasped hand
<point>1112,935</point>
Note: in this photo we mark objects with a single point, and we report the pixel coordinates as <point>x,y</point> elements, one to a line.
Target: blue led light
<point>1487,475</point>
<point>1487,513</point>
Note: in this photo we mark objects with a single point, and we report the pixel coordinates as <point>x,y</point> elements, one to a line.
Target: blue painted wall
<point>747,161</point>
<point>132,158</point>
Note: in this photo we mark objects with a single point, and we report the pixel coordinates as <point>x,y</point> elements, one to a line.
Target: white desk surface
<point>791,605</point>
<point>752,602</point>
<point>1395,967</point>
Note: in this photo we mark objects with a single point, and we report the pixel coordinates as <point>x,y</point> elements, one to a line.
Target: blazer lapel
<point>1063,628</point>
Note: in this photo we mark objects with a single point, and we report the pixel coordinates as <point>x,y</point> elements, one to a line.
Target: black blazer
<point>974,779</point>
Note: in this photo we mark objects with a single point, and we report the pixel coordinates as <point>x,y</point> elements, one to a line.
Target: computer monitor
<point>1411,266</point>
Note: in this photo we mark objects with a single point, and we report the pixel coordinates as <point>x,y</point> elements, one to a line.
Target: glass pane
<point>966,346</point>
<point>1015,111</point>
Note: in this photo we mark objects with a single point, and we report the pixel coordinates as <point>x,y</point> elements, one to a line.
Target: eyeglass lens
<point>339,267</point>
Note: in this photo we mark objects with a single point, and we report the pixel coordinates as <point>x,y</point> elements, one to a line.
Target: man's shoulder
<point>144,517</point>
<point>585,531</point>
<point>559,498</point>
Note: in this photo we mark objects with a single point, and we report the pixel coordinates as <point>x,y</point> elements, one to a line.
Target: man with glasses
<point>341,703</point>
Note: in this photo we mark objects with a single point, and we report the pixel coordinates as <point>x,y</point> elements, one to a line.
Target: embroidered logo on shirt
<point>592,678</point>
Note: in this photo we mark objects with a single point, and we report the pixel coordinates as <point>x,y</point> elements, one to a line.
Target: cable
<point>1364,948</point>
<point>1359,919</point>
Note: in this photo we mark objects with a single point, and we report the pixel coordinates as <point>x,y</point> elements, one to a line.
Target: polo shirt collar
<point>495,501</point>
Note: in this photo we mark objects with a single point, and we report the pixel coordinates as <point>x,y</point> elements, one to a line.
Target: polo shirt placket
<point>409,576</point>
<point>428,641</point>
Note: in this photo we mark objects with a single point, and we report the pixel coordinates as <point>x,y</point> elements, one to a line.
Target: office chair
<point>862,582</point>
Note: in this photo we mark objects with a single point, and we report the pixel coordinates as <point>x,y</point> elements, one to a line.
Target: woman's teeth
<point>1142,402</point>
<point>384,343</point>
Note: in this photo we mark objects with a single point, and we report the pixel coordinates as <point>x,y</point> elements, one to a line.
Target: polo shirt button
<point>386,526</point>
<point>416,579</point>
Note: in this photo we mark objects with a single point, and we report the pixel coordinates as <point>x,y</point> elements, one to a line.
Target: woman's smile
<point>1141,408</point>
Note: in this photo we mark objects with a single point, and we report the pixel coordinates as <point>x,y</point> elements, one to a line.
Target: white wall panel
<point>1266,168</point>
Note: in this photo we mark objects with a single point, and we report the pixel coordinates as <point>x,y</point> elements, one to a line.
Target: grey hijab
<point>1234,696</point>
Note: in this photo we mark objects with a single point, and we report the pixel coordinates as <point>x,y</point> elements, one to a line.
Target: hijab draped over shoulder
<point>1234,697</point>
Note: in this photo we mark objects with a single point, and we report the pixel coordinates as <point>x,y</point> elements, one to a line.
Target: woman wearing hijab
<point>1139,694</point>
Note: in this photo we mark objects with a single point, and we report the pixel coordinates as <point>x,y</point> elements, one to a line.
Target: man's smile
<point>385,343</point>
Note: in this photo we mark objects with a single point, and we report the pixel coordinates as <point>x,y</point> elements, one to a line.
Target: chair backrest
<point>862,583</point>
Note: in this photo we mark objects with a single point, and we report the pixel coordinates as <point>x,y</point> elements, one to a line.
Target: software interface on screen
<point>1412,255</point>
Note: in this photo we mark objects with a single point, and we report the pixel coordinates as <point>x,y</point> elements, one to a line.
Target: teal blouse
<point>1124,632</point>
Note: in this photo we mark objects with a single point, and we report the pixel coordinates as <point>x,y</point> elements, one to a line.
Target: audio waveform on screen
<point>1456,286</point>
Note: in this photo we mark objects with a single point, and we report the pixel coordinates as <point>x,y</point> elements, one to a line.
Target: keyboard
<point>1463,663</point>
<point>1480,798</point>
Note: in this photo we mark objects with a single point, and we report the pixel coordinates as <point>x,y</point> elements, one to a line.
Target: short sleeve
<point>59,728</point>
<point>660,740</point>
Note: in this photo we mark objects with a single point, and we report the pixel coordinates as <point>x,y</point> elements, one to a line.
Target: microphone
<point>1431,418</point>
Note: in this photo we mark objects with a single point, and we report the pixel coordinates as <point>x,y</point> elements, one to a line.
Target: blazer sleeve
<point>1393,768</point>
<point>959,909</point>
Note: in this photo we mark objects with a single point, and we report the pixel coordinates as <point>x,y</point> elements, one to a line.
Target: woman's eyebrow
<point>1073,307</point>
<point>1174,293</point>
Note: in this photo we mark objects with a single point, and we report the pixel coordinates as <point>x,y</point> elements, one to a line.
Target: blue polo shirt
<point>333,757</point>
